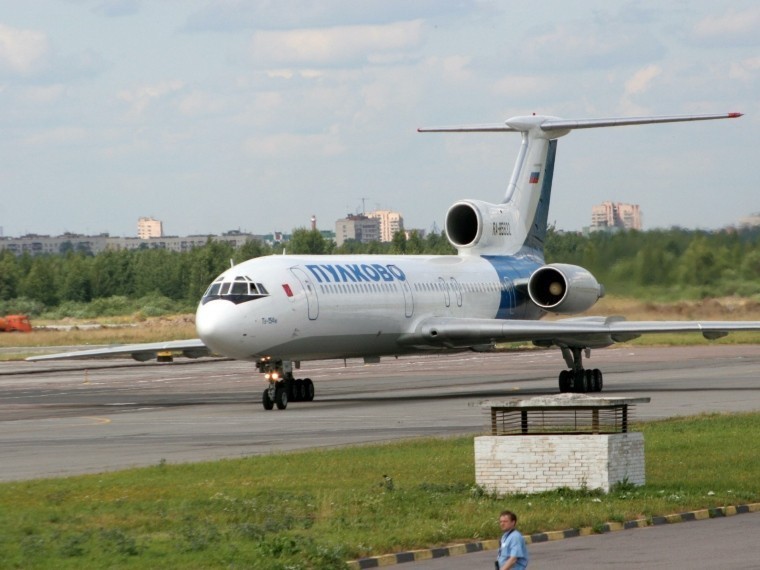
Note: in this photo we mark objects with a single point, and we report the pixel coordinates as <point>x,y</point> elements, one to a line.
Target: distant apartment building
<point>609,215</point>
<point>34,244</point>
<point>357,227</point>
<point>751,221</point>
<point>149,228</point>
<point>390,223</point>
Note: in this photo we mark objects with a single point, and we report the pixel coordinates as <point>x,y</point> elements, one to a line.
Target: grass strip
<point>318,509</point>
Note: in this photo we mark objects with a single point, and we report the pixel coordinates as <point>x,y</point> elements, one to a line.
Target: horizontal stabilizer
<point>552,124</point>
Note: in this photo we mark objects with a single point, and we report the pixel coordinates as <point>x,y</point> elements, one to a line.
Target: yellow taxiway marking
<point>98,421</point>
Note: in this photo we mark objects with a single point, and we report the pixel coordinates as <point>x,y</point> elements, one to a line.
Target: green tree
<point>10,274</point>
<point>76,279</point>
<point>414,244</point>
<point>39,283</point>
<point>112,274</point>
<point>750,265</point>
<point>305,241</point>
<point>158,271</point>
<point>398,245</point>
<point>437,244</point>
<point>203,264</point>
<point>700,264</point>
<point>250,250</point>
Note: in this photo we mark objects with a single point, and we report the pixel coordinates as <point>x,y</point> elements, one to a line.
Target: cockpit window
<point>238,289</point>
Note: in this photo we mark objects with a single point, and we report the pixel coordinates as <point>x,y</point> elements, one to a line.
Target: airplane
<point>280,310</point>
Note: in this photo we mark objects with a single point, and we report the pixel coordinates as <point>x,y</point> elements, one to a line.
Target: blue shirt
<point>513,544</point>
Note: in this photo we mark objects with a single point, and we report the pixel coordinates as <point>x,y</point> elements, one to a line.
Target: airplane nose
<point>218,327</point>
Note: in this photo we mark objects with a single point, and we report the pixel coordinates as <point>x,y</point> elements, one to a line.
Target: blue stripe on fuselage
<point>514,302</point>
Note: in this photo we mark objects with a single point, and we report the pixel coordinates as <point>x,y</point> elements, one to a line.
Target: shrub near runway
<point>317,509</point>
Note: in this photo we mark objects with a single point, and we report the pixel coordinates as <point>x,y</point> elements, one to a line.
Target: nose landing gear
<point>283,386</point>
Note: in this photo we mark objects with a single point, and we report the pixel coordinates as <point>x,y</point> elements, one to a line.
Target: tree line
<point>658,264</point>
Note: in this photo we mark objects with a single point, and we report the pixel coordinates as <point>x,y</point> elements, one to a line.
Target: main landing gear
<point>579,379</point>
<point>283,387</point>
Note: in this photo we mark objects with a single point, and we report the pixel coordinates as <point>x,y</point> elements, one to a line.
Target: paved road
<point>728,543</point>
<point>62,418</point>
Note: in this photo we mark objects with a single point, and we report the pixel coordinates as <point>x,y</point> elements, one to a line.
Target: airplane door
<point>408,299</point>
<point>457,291</point>
<point>311,291</point>
<point>446,294</point>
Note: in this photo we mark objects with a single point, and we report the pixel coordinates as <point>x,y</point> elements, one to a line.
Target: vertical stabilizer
<point>536,231</point>
<point>518,224</point>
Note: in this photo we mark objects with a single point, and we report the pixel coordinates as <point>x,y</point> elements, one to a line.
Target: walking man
<point>513,553</point>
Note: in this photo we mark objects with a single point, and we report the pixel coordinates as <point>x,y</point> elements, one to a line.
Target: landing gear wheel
<point>588,380</point>
<point>294,393</point>
<point>598,382</point>
<point>308,390</point>
<point>267,401</point>
<point>578,379</point>
<point>281,396</point>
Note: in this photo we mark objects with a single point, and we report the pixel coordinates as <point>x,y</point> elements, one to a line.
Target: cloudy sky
<point>214,115</point>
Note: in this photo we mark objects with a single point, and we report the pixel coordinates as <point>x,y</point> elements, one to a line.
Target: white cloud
<point>139,99</point>
<point>642,79</point>
<point>334,46</point>
<point>597,45</point>
<point>523,86</point>
<point>22,50</point>
<point>290,145</point>
<point>732,28</point>
<point>58,136</point>
<point>745,70</point>
<point>201,103</point>
<point>456,68</point>
<point>45,93</point>
<point>117,8</point>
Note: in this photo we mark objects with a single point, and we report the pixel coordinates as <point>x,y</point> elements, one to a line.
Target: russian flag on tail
<point>533,178</point>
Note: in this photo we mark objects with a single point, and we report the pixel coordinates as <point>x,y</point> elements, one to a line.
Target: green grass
<point>317,509</point>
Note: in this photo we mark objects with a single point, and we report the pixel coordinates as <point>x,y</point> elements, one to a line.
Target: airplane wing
<point>586,332</point>
<point>192,348</point>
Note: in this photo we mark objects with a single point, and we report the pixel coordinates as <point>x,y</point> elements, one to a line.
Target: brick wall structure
<point>537,463</point>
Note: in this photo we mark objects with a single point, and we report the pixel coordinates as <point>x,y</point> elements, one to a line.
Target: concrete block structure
<point>533,464</point>
<point>570,440</point>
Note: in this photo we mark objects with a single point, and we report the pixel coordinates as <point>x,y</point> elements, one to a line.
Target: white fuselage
<point>315,307</point>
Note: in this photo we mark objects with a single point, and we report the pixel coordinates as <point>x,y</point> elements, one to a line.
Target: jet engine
<point>563,288</point>
<point>473,226</point>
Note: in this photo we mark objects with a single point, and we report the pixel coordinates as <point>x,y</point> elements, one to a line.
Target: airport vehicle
<point>15,323</point>
<point>278,311</point>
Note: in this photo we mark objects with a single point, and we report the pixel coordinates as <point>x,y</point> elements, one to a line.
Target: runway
<point>65,418</point>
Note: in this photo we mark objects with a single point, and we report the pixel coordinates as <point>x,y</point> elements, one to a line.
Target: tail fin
<point>525,207</point>
<point>535,231</point>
